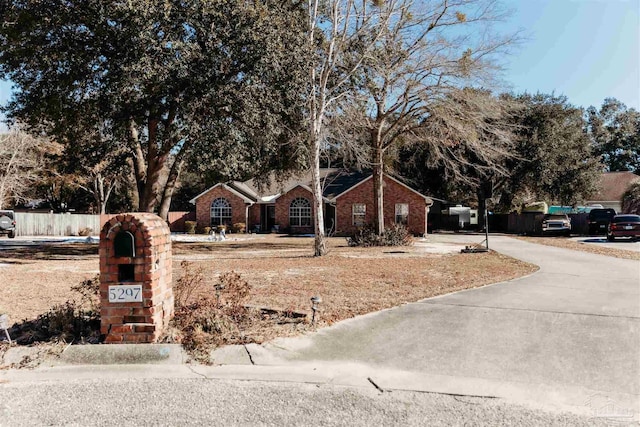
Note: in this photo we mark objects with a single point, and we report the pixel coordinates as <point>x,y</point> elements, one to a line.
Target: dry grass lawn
<point>280,270</point>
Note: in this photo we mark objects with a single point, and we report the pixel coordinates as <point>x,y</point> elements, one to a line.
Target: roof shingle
<point>613,185</point>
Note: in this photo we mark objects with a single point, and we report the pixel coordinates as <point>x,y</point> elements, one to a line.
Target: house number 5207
<point>125,293</point>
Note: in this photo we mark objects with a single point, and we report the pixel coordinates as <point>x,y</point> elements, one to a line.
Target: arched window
<point>300,212</point>
<point>220,212</point>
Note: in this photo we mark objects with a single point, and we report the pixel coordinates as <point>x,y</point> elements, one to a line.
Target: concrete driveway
<point>566,337</point>
<point>625,244</point>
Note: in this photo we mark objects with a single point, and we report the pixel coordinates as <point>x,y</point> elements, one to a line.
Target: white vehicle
<point>556,224</point>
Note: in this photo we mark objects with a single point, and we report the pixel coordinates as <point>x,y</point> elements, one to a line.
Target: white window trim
<point>300,212</point>
<point>355,214</point>
<point>226,208</point>
<point>395,219</point>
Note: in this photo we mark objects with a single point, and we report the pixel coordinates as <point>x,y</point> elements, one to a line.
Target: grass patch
<point>267,296</point>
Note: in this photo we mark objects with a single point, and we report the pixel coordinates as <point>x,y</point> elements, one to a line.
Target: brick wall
<point>282,210</point>
<point>254,216</point>
<point>393,193</point>
<point>203,206</point>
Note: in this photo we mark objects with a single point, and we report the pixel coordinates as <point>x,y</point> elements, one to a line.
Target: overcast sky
<point>587,50</point>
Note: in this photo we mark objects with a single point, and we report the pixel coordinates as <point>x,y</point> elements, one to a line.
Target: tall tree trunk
<point>378,183</point>
<point>103,207</point>
<point>320,242</point>
<point>167,194</point>
<point>98,193</point>
<point>139,167</point>
<point>155,164</point>
<point>152,185</point>
<point>132,184</point>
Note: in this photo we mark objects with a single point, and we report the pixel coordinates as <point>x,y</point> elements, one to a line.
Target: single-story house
<point>611,188</point>
<point>287,206</point>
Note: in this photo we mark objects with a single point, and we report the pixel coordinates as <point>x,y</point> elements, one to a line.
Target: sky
<point>587,50</point>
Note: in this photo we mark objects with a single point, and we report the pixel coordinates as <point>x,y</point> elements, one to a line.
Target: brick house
<point>287,206</point>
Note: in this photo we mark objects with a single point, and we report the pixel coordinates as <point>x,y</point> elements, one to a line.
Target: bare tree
<point>101,179</point>
<point>427,50</point>
<point>470,135</point>
<point>340,34</point>
<point>20,162</point>
<point>91,159</point>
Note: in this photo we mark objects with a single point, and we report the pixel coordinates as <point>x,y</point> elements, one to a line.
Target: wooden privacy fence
<point>51,224</point>
<point>177,219</point>
<point>64,224</point>
<point>531,223</point>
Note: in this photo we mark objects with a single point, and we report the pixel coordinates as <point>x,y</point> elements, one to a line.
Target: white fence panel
<point>49,224</point>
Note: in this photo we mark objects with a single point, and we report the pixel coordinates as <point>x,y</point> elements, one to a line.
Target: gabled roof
<point>613,185</point>
<point>340,181</point>
<point>336,182</point>
<point>226,186</point>
<point>364,178</point>
<point>274,187</point>
<point>244,189</point>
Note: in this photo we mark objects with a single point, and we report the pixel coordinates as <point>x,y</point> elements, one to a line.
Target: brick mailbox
<point>136,297</point>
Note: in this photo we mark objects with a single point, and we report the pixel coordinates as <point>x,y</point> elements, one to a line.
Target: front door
<point>267,218</point>
<point>271,217</point>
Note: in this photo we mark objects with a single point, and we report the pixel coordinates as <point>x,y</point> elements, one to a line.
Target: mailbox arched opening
<point>124,245</point>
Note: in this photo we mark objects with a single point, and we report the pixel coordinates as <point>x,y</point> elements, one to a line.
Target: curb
<point>121,354</point>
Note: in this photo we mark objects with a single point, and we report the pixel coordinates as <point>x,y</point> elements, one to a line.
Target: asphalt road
<point>180,401</point>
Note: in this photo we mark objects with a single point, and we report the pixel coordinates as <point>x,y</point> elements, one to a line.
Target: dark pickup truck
<point>599,220</point>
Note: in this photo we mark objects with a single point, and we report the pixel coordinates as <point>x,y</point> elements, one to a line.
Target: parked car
<point>624,226</point>
<point>556,224</point>
<point>8,223</point>
<point>599,220</point>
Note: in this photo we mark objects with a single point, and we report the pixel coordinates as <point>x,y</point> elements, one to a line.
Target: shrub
<point>89,291</point>
<point>190,227</point>
<point>190,283</point>
<point>234,292</point>
<point>206,318</point>
<point>238,227</point>
<point>219,228</point>
<point>364,236</point>
<point>207,230</point>
<point>396,235</point>
<point>64,322</point>
<point>68,322</point>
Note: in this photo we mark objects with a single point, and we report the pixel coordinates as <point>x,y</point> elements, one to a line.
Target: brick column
<point>135,269</point>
